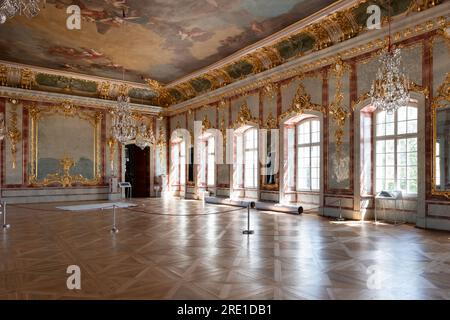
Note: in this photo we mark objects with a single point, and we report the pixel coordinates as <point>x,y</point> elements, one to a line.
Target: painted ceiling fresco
<point>158,39</point>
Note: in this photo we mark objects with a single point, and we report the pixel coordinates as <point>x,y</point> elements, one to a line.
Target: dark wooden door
<point>138,171</point>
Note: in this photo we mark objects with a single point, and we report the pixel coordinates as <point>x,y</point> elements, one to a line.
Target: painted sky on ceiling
<point>158,39</point>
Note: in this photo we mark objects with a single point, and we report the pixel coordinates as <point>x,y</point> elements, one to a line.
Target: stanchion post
<point>340,218</point>
<point>204,198</point>
<point>114,228</point>
<point>248,231</point>
<point>5,225</point>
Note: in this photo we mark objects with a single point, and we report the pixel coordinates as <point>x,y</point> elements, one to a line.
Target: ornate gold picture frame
<point>64,177</point>
<point>442,100</point>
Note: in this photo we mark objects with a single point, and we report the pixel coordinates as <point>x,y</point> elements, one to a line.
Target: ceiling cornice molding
<point>74,75</point>
<point>67,83</point>
<point>314,37</point>
<point>408,27</point>
<point>270,40</point>
<point>49,97</point>
<point>329,28</point>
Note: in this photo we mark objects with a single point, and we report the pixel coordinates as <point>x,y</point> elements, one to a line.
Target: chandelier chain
<point>390,89</point>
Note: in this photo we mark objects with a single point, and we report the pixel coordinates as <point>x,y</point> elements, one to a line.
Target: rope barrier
<point>162,214</point>
<point>37,209</point>
<point>129,209</point>
<point>340,218</point>
<point>183,215</point>
<point>312,209</point>
<point>113,207</point>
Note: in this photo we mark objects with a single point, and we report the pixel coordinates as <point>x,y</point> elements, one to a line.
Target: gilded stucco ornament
<point>160,116</point>
<point>161,143</point>
<point>413,87</point>
<point>338,111</point>
<point>272,55</point>
<point>269,89</point>
<point>441,100</point>
<point>271,122</point>
<point>348,29</point>
<point>421,5</point>
<point>372,49</point>
<point>103,90</point>
<point>186,89</point>
<point>206,124</point>
<point>345,22</point>
<point>213,80</point>
<point>443,96</point>
<point>3,75</point>
<point>65,180</point>
<point>443,33</point>
<point>123,90</point>
<point>360,99</point>
<point>300,104</point>
<point>222,76</point>
<point>26,78</point>
<point>164,97</point>
<point>222,103</point>
<point>245,117</point>
<point>255,61</point>
<point>13,134</point>
<point>321,35</point>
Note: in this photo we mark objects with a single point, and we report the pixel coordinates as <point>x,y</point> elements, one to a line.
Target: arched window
<point>178,162</point>
<point>303,154</point>
<point>246,166</point>
<point>251,158</point>
<point>396,150</point>
<point>207,168</point>
<point>308,155</point>
<point>211,162</point>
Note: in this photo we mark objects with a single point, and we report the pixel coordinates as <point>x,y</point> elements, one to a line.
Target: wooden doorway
<point>138,170</point>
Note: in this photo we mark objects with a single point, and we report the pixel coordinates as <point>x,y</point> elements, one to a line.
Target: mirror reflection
<point>442,149</point>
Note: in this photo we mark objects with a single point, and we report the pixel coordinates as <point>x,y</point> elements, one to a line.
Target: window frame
<point>254,151</point>
<point>292,154</point>
<point>179,178</point>
<point>311,145</point>
<point>241,165</point>
<point>204,165</point>
<point>210,166</point>
<point>396,137</point>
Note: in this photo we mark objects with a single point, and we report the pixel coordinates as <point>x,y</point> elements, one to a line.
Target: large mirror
<point>190,180</point>
<point>269,177</point>
<point>441,142</point>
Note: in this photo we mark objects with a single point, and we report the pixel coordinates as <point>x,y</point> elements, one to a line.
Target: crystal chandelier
<point>10,8</point>
<point>144,137</point>
<point>124,127</point>
<point>390,90</point>
<point>123,122</point>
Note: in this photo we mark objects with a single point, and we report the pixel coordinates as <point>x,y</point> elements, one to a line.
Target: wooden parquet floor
<point>181,249</point>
